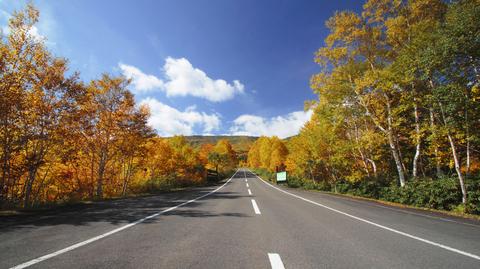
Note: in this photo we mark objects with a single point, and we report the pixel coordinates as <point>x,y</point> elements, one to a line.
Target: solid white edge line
<point>93,239</point>
<point>249,192</point>
<point>461,252</point>
<point>425,216</point>
<point>255,207</point>
<point>275,261</point>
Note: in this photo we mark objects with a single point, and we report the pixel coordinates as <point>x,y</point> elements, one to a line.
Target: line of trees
<point>399,92</point>
<point>268,153</point>
<point>63,139</point>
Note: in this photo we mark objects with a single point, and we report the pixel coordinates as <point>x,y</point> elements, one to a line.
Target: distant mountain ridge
<point>239,143</point>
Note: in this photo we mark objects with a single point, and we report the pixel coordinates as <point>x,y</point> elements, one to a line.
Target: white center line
<point>93,239</point>
<point>458,251</point>
<point>249,192</point>
<point>247,185</point>
<point>275,261</point>
<point>255,207</point>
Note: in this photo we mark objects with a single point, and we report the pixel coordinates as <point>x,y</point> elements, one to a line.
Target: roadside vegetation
<point>398,113</point>
<point>63,139</point>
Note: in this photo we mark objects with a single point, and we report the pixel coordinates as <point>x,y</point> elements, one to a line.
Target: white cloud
<point>281,126</point>
<point>180,78</point>
<point>183,79</point>
<point>33,32</point>
<point>140,80</point>
<point>169,121</point>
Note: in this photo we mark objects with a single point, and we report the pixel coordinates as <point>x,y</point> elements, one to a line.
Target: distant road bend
<point>243,223</point>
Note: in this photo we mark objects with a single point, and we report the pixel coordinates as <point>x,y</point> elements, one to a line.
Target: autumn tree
<point>37,99</point>
<point>267,153</point>
<point>64,140</point>
<point>223,156</point>
<point>109,122</point>
<point>400,79</point>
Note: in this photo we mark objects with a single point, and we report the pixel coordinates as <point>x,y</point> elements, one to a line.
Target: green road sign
<point>281,176</point>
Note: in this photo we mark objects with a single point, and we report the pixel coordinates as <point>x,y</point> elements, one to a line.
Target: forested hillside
<point>397,115</point>
<point>239,143</point>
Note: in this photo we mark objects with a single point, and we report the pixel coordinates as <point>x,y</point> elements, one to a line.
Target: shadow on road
<point>123,211</point>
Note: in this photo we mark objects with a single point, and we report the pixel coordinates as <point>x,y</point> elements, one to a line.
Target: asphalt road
<point>245,223</point>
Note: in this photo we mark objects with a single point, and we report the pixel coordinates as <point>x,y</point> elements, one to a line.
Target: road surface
<point>244,223</point>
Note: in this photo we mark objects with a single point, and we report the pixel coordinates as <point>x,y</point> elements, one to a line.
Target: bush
<point>294,182</point>
<point>366,188</point>
<point>441,193</point>
<point>342,187</point>
<point>265,174</point>
<point>473,197</point>
<point>323,186</point>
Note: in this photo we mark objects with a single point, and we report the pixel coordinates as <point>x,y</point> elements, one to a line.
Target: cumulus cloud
<point>141,81</point>
<point>169,121</point>
<point>281,126</point>
<point>180,78</point>
<point>183,79</point>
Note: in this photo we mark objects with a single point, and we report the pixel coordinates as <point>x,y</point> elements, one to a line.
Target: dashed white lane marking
<point>93,239</point>
<point>247,185</point>
<point>249,192</point>
<point>275,261</point>
<point>255,207</point>
<point>461,252</point>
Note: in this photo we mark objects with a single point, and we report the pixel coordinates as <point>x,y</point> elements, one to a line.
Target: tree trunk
<point>91,187</point>
<point>359,148</point>
<point>40,187</point>
<point>418,140</point>
<point>126,178</point>
<point>455,157</point>
<point>6,167</point>
<point>29,184</point>
<point>438,168</point>
<point>101,172</point>
<point>393,147</point>
<point>364,162</point>
<point>467,133</point>
<point>458,169</point>
<point>374,167</point>
<point>467,168</point>
<point>396,157</point>
<point>400,155</point>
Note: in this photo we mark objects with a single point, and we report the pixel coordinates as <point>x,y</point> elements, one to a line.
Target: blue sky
<point>204,67</point>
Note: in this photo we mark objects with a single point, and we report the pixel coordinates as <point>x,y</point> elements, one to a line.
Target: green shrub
<point>323,186</point>
<point>473,197</point>
<point>294,182</point>
<point>441,193</point>
<point>342,186</point>
<point>309,184</point>
<point>265,174</point>
<point>366,188</point>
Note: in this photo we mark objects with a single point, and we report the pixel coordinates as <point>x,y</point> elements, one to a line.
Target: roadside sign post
<point>281,177</point>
